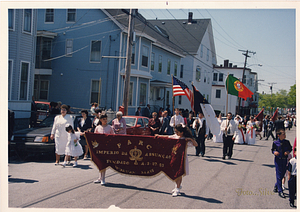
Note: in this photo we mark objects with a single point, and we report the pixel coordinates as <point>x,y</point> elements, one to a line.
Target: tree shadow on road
<point>123,186</point>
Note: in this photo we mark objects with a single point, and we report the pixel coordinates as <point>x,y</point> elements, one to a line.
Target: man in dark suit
<point>265,123</point>
<point>147,111</point>
<point>202,133</point>
<point>138,112</point>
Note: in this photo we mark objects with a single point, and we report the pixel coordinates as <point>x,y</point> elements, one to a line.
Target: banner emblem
<point>135,155</point>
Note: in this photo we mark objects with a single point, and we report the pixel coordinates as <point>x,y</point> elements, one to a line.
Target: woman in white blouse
<point>59,132</point>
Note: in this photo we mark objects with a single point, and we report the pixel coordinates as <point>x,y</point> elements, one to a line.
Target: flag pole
<point>227,94</point>
<point>173,102</point>
<point>193,99</point>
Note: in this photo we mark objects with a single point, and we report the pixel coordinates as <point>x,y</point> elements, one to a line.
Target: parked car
<point>37,140</point>
<point>136,125</point>
<point>43,110</point>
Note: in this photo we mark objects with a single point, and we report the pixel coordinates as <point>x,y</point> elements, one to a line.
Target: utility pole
<point>271,87</point>
<point>128,60</point>
<point>246,56</point>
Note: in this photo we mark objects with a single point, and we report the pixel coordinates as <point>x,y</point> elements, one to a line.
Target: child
<point>292,178</point>
<point>182,132</point>
<point>286,173</point>
<point>73,147</point>
<point>104,128</point>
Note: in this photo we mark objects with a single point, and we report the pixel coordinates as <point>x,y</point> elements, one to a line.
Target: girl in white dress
<point>182,133</point>
<point>59,133</point>
<point>250,135</point>
<point>73,147</point>
<point>240,137</point>
<point>104,128</point>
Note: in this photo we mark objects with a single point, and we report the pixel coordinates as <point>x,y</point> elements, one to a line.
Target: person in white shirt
<point>202,131</point>
<point>229,129</point>
<point>176,119</point>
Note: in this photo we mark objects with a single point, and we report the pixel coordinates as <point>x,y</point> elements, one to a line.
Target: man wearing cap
<point>281,149</point>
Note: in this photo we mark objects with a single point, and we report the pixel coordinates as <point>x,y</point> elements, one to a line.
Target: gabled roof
<point>187,36</point>
<point>144,28</point>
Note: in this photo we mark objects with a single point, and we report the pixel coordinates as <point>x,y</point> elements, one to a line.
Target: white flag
<point>211,119</point>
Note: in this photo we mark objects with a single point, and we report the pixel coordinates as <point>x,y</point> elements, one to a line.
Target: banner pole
<point>227,94</point>
<point>173,101</point>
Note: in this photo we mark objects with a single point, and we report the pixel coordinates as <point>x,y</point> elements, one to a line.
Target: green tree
<point>292,96</point>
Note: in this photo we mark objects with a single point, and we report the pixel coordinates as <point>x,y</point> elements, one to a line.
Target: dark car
<point>136,125</point>
<point>37,140</point>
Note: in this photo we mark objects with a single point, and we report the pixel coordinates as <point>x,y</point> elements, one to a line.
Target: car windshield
<point>47,122</point>
<point>130,122</point>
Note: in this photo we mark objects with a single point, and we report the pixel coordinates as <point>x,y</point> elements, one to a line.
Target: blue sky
<point>271,33</point>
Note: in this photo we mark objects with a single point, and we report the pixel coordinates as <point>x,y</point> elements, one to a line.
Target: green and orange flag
<point>236,88</point>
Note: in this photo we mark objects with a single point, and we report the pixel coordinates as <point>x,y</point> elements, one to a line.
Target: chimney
<point>190,18</point>
<point>226,63</point>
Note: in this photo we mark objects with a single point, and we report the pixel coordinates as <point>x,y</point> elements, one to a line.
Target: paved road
<point>244,182</point>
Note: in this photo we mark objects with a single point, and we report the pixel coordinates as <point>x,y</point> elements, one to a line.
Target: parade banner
<point>138,155</point>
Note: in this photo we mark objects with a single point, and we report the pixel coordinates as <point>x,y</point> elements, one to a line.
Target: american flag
<point>181,89</point>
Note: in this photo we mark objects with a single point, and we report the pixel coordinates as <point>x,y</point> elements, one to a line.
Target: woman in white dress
<point>219,137</point>
<point>240,137</point>
<point>59,132</point>
<point>250,135</point>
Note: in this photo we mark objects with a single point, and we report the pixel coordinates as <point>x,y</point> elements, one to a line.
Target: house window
<point>10,66</point>
<point>181,71</point>
<point>207,54</point>
<point>175,68</point>
<point>179,100</point>
<point>11,18</point>
<point>160,63</point>
<point>44,87</point>
<point>215,77</point>
<point>245,79</point>
<point>27,20</point>
<point>207,97</point>
<point>24,81</point>
<point>218,93</point>
<point>168,98</point>
<point>145,53</point>
<point>49,16</point>
<point>250,81</point>
<point>69,47</point>
<point>201,51</point>
<point>133,54</point>
<point>220,77</point>
<point>169,67</point>
<point>143,92</point>
<point>71,15</point>
<point>95,51</point>
<point>130,94</point>
<point>95,91</point>
<point>152,61</point>
<point>204,80</point>
<point>198,73</point>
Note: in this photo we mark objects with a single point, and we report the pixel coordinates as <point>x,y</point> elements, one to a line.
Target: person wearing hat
<point>119,124</point>
<point>280,149</point>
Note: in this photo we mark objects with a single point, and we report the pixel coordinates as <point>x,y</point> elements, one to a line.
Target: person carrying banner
<point>165,128</point>
<point>202,131</point>
<point>229,129</point>
<point>104,128</point>
<point>182,132</point>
